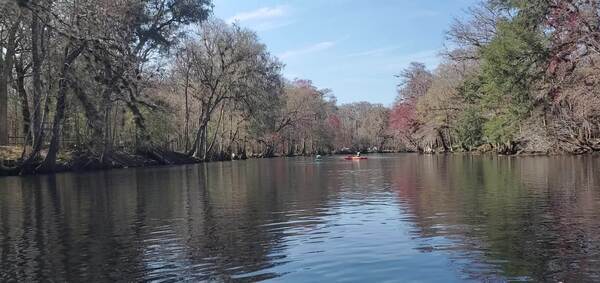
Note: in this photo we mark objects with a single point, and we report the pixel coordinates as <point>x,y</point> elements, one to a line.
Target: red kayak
<point>355,158</point>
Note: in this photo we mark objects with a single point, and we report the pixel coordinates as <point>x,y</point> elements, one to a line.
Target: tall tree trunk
<point>6,66</point>
<point>214,138</point>
<point>3,113</point>
<point>195,150</point>
<point>37,58</point>
<point>107,104</point>
<point>20,88</point>
<point>49,163</point>
<point>199,149</point>
<point>187,110</point>
<point>37,61</point>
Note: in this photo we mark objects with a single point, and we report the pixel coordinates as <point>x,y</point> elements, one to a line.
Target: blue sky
<point>352,47</point>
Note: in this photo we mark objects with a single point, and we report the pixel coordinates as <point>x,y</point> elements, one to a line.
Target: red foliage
<point>572,25</point>
<point>403,116</point>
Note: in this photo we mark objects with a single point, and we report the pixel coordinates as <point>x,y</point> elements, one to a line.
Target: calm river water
<point>397,218</point>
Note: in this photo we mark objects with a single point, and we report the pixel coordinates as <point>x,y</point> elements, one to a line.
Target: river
<point>399,218</point>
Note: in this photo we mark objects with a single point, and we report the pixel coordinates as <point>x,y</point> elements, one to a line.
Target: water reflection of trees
<point>217,221</point>
<point>499,217</point>
<point>518,218</point>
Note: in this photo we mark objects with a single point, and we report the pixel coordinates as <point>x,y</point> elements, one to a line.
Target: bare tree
<point>228,64</point>
<point>466,36</point>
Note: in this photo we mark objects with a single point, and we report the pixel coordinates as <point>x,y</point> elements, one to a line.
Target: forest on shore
<point>104,84</point>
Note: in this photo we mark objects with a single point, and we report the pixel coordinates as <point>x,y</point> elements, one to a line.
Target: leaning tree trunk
<point>92,115</point>
<point>49,163</point>
<point>443,140</point>
<point>214,138</point>
<point>198,149</point>
<point>143,140</point>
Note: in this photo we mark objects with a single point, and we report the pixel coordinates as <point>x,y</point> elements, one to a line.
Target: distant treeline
<point>96,78</point>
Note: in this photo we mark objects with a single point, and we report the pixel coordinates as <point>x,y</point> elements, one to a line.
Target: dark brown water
<point>394,218</point>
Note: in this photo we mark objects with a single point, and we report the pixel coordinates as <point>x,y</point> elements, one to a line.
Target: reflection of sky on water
<point>398,218</point>
<point>342,247</point>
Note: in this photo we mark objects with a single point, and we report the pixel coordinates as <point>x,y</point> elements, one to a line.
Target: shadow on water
<point>395,217</point>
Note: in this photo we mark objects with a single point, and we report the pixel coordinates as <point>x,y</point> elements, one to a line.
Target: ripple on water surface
<point>391,218</point>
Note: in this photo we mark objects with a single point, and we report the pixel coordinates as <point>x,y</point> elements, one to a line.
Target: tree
<point>121,43</point>
<point>415,82</point>
<point>438,109</point>
<point>228,63</point>
<point>468,36</point>
<point>511,67</point>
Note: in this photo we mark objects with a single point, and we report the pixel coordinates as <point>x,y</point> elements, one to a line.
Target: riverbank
<point>83,161</point>
<point>80,161</point>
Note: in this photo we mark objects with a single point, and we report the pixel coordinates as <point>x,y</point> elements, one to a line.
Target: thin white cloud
<point>372,52</point>
<point>321,46</point>
<point>262,14</point>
